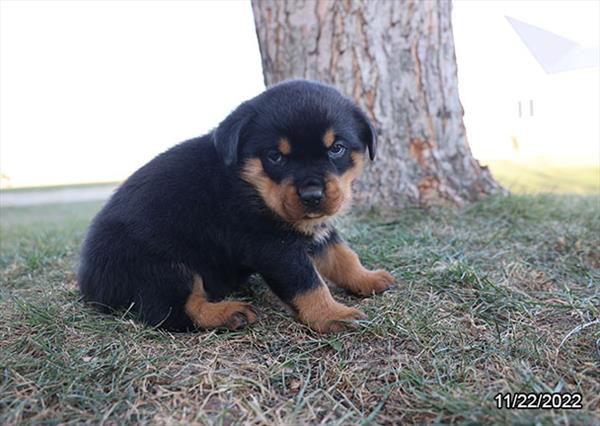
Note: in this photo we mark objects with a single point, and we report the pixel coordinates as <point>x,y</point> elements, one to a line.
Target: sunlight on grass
<point>546,176</point>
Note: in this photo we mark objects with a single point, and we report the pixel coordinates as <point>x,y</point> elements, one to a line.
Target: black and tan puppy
<point>254,196</point>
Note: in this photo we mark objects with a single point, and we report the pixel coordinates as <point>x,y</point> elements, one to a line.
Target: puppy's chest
<point>320,233</point>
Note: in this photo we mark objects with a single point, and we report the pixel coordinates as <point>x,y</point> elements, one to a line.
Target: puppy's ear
<point>368,135</point>
<point>229,134</point>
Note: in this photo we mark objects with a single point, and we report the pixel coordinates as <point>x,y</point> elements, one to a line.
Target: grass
<point>539,175</point>
<point>27,189</point>
<point>501,296</point>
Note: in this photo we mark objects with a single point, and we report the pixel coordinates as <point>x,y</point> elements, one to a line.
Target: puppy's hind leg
<point>232,315</point>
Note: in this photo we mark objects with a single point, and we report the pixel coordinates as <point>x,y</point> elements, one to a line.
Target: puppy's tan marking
<point>280,198</point>
<point>229,314</point>
<point>339,264</point>
<point>358,161</point>
<point>322,313</point>
<point>270,192</point>
<point>338,190</point>
<point>328,138</point>
<point>284,146</point>
<point>283,198</point>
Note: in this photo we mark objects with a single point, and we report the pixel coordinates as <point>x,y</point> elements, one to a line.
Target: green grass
<point>489,299</point>
<point>546,176</point>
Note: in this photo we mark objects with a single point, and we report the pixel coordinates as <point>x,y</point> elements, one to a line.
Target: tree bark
<point>396,59</point>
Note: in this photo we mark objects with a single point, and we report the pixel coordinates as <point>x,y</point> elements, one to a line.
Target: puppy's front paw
<point>372,282</point>
<point>317,309</point>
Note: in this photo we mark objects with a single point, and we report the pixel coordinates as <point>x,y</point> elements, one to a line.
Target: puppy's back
<point>141,232</point>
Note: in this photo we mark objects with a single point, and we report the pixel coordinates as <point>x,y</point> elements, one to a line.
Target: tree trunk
<point>396,60</point>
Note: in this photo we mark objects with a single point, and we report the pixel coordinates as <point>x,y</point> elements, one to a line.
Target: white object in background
<point>553,52</point>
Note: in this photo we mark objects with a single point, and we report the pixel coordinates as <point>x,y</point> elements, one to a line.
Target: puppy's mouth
<point>314,215</point>
<point>294,211</point>
<point>313,204</point>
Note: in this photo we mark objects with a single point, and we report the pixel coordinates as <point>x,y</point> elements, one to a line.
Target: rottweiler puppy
<point>256,195</point>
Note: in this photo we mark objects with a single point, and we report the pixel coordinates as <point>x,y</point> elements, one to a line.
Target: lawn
<point>543,175</point>
<point>500,296</point>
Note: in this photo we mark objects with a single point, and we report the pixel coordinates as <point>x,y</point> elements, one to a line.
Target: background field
<point>502,296</point>
<point>539,175</point>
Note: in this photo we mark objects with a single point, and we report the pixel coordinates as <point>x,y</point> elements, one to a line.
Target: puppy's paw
<point>237,315</point>
<point>372,282</point>
<point>317,309</point>
<point>342,319</point>
<point>232,315</point>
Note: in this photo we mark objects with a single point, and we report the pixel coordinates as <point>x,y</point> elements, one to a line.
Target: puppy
<point>254,196</point>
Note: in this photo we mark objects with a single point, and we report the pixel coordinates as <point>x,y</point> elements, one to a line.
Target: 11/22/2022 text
<point>539,400</point>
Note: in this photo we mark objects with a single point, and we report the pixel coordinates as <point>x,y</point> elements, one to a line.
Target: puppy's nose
<point>311,196</point>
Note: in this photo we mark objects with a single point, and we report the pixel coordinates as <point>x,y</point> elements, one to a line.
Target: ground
<point>501,296</point>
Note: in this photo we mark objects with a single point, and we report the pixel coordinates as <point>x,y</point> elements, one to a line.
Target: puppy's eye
<point>275,157</point>
<point>337,150</point>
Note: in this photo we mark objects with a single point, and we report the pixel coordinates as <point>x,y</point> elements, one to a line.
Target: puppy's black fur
<point>189,227</point>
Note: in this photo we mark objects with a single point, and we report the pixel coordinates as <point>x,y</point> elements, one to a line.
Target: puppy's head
<point>300,144</point>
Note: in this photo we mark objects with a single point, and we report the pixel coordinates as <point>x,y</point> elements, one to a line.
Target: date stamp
<point>513,401</point>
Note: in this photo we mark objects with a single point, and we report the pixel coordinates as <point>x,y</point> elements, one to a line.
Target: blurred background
<point>90,91</point>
